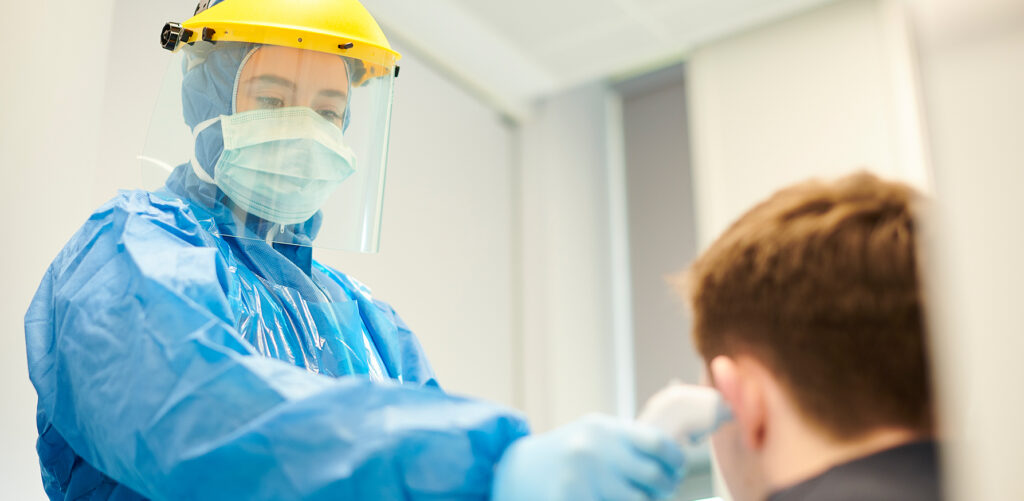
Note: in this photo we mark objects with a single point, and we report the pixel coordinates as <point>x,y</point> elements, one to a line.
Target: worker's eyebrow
<point>272,79</point>
<point>333,93</point>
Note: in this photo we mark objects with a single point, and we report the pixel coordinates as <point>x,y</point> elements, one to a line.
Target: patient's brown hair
<point>819,283</point>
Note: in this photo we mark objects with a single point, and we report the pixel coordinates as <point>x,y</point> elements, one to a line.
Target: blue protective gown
<point>175,363</point>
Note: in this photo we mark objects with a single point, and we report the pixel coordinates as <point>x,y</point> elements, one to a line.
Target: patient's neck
<point>796,452</point>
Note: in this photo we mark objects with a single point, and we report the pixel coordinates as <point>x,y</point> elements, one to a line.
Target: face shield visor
<point>278,143</point>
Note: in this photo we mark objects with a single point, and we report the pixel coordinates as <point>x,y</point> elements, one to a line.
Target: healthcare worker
<point>185,345</point>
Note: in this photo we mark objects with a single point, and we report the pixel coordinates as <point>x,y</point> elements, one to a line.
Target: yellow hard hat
<point>342,27</point>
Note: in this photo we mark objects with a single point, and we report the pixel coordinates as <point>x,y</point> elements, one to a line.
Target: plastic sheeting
<point>173,363</point>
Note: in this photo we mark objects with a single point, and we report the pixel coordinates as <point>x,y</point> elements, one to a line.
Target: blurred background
<point>553,163</point>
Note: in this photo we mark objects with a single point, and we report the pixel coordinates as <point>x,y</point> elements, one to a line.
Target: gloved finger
<point>615,487</point>
<point>654,443</point>
<point>650,476</point>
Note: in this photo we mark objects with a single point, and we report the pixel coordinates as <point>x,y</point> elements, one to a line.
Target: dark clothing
<point>906,473</point>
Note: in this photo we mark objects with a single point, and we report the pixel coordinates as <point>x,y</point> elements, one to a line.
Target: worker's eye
<point>268,102</point>
<point>330,115</point>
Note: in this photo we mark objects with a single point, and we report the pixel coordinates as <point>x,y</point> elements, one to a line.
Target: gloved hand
<point>595,458</point>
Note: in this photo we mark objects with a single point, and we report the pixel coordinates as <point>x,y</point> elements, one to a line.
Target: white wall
<point>820,94</point>
<point>570,312</point>
<point>972,75</point>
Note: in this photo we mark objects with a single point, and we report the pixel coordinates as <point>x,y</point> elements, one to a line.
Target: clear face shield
<point>276,143</point>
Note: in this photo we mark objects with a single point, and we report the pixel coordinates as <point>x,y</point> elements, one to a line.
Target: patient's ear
<point>741,386</point>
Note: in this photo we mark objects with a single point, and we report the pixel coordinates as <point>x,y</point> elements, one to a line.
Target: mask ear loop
<point>196,168</point>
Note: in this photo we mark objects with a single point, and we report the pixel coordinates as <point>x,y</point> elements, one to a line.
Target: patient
<point>808,314</point>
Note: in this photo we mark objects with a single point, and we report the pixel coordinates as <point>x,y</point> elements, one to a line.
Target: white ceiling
<point>514,52</point>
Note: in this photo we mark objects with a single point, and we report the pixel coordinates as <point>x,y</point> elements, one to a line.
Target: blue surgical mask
<point>280,164</point>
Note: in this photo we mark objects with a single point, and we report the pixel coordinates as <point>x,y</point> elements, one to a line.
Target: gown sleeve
<point>133,353</point>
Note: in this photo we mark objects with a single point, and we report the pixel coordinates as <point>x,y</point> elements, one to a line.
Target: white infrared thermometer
<point>686,413</point>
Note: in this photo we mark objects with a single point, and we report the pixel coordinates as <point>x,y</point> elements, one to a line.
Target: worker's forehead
<point>289,61</point>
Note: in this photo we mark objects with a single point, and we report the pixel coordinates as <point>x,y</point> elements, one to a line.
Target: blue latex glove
<point>595,458</point>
